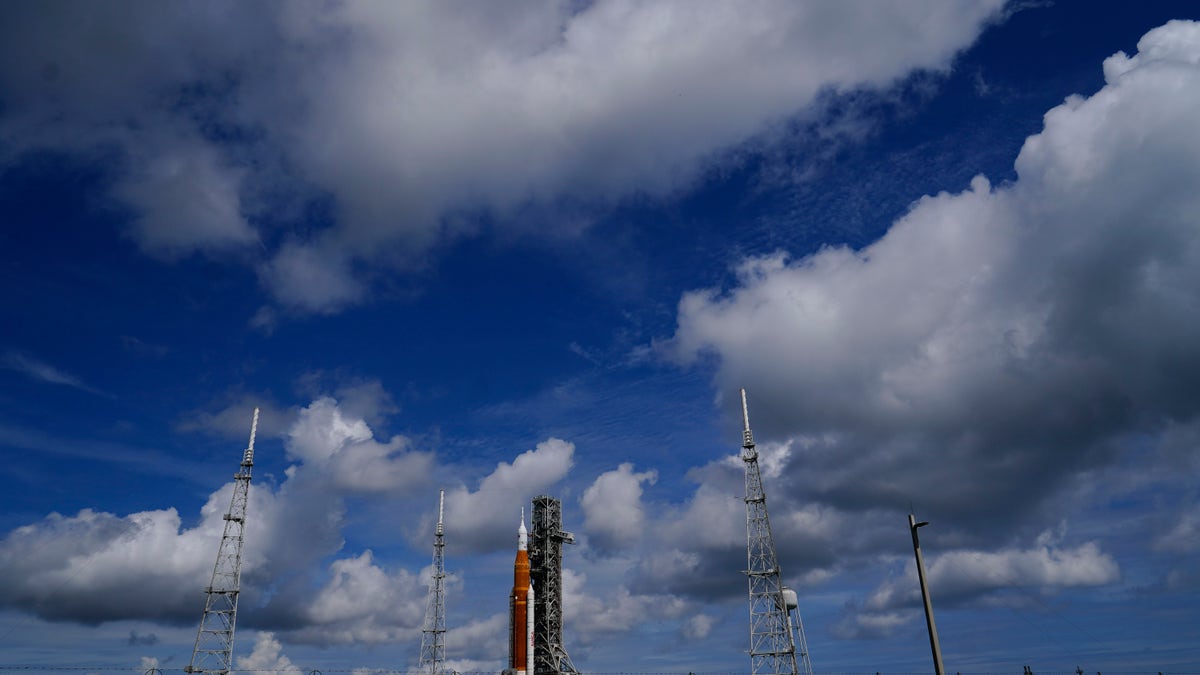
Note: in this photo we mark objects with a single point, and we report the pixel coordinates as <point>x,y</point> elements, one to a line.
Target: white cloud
<point>711,518</point>
<point>232,419</point>
<point>1184,536</point>
<point>474,646</point>
<point>215,106</point>
<point>995,341</point>
<point>859,625</point>
<point>267,656</point>
<point>487,518</point>
<point>697,547</point>
<point>614,517</point>
<point>42,371</point>
<point>185,196</point>
<point>698,627</point>
<point>971,576</point>
<point>961,573</point>
<point>311,279</point>
<point>297,578</point>
<point>363,604</point>
<point>75,567</point>
<point>616,611</point>
<point>345,447</point>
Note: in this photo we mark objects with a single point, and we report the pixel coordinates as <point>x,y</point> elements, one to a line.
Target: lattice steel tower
<point>545,564</point>
<point>433,635</point>
<point>772,644</point>
<point>213,652</point>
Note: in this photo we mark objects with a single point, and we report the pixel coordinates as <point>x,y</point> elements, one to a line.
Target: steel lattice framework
<point>772,645</point>
<point>433,635</point>
<point>213,652</point>
<point>545,562</point>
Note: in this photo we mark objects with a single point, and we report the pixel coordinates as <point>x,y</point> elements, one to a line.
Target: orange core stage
<point>519,606</point>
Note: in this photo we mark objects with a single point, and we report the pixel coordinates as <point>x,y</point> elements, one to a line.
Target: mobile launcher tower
<point>536,621</point>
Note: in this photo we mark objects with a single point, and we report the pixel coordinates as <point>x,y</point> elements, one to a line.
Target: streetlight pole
<point>933,637</point>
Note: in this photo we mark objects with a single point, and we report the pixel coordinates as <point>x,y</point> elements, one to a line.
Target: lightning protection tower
<point>213,652</point>
<point>772,643</point>
<point>433,635</point>
<point>545,563</point>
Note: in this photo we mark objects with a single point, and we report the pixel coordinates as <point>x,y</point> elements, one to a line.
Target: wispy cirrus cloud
<point>41,371</point>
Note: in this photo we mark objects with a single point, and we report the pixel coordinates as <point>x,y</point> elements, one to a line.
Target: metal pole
<point>933,637</point>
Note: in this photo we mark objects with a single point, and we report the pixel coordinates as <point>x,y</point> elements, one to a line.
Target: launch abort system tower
<point>545,561</point>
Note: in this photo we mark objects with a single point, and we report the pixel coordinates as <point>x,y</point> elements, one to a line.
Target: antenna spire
<point>772,640</point>
<point>248,457</point>
<point>433,635</point>
<point>747,435</point>
<point>213,651</point>
<point>441,509</point>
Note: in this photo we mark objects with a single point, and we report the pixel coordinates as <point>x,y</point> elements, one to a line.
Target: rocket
<point>521,608</point>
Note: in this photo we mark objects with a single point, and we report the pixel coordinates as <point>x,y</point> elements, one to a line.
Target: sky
<point>950,248</point>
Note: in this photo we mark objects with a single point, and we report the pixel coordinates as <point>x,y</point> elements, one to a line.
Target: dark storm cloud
<point>137,639</point>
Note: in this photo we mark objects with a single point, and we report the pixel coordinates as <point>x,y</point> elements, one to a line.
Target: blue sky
<point>951,249</point>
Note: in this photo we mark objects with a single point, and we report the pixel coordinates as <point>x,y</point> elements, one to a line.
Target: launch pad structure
<point>545,563</point>
<point>537,641</point>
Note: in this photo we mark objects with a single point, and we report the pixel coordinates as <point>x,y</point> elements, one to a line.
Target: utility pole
<point>933,637</point>
<point>772,642</point>
<point>433,636</point>
<point>213,652</point>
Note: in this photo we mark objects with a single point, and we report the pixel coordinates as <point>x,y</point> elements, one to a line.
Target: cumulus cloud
<point>267,656</point>
<point>972,576</point>
<point>363,604</point>
<point>998,340</point>
<point>487,518</point>
<point>700,547</point>
<point>75,568</point>
<point>698,627</point>
<point>617,611</point>
<point>185,198</point>
<point>97,555</point>
<point>200,109</point>
<point>345,447</point>
<point>614,517</point>
<point>474,646</point>
<point>311,279</point>
<point>300,580</point>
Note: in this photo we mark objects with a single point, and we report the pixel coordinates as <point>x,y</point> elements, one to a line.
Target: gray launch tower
<point>545,566</point>
<point>772,643</point>
<point>433,635</point>
<point>213,652</point>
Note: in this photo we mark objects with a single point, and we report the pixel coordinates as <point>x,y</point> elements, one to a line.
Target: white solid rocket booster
<point>529,630</point>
